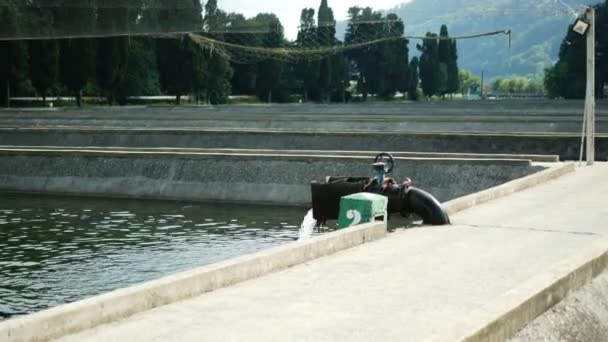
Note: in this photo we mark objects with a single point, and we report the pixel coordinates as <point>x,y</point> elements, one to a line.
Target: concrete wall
<point>457,116</point>
<point>450,116</point>
<point>565,145</point>
<point>234,178</point>
<point>582,316</point>
<point>439,123</point>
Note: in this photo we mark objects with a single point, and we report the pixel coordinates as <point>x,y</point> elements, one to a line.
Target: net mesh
<point>237,49</point>
<point>236,39</point>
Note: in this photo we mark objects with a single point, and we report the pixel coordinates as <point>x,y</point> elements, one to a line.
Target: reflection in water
<point>55,250</point>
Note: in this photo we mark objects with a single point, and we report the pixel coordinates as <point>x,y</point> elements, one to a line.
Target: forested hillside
<point>538,28</point>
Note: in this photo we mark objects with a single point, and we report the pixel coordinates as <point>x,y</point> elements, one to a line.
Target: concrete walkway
<point>418,284</point>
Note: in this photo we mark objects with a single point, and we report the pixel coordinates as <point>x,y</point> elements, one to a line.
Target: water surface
<point>55,250</point>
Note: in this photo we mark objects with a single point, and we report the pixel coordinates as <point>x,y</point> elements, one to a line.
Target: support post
<point>8,93</point>
<point>590,93</point>
<point>482,85</point>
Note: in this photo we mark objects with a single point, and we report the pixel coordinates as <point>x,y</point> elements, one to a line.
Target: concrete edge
<point>509,188</point>
<point>245,131</point>
<point>240,156</point>
<point>517,308</point>
<point>88,313</point>
<point>398,154</point>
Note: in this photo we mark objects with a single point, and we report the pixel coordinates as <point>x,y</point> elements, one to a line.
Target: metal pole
<point>482,84</point>
<point>590,95</point>
<point>8,93</point>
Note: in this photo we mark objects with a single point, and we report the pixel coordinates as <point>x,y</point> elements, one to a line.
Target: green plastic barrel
<point>361,208</point>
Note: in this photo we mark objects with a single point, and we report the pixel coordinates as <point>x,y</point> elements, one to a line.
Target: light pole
<point>588,27</point>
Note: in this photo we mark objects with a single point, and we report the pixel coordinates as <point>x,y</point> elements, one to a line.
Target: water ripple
<point>56,250</point>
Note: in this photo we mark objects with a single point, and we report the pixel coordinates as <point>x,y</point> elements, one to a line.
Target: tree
<point>141,75</point>
<point>44,54</point>
<point>453,72</point>
<point>412,90</point>
<point>242,31</point>
<point>181,62</point>
<point>13,54</point>
<point>468,83</point>
<point>382,68</point>
<point>363,25</point>
<point>393,63</point>
<point>326,37</point>
<point>217,85</point>
<point>448,63</point>
<point>308,71</point>
<point>443,55</point>
<point>77,63</point>
<point>113,52</point>
<point>270,81</point>
<point>429,65</point>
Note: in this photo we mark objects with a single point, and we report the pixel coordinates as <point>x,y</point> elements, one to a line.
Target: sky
<point>289,10</point>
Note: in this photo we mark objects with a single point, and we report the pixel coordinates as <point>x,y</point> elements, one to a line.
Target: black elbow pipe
<point>426,206</point>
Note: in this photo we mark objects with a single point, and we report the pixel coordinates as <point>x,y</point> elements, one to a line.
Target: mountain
<point>538,27</point>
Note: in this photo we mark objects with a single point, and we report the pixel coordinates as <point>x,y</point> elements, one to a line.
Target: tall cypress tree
<point>180,61</point>
<point>77,63</point>
<point>44,53</point>
<point>453,72</point>
<point>443,54</point>
<point>326,37</point>
<point>429,65</point>
<point>13,54</point>
<point>112,52</point>
<point>412,89</point>
<point>219,72</point>
<point>271,73</point>
<point>308,71</point>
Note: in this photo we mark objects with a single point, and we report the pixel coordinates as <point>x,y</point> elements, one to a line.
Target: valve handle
<point>387,159</point>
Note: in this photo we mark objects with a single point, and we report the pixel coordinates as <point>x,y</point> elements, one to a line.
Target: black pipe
<point>426,206</point>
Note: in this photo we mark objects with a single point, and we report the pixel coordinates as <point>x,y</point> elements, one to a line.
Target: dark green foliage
<point>77,63</point>
<point>181,63</point>
<point>438,64</point>
<point>44,54</point>
<point>113,52</point>
<point>306,71</point>
<point>448,63</point>
<point>429,65</point>
<point>453,72</point>
<point>141,77</point>
<point>216,85</point>
<point>382,68</point>
<point>13,54</point>
<point>270,81</point>
<point>412,89</point>
<point>244,75</point>
<point>326,37</point>
<point>111,65</point>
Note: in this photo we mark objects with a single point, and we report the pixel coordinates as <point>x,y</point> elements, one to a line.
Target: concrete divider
<point>401,154</point>
<point>502,319</point>
<point>506,189</point>
<point>85,314</point>
<point>567,146</point>
<point>241,178</point>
